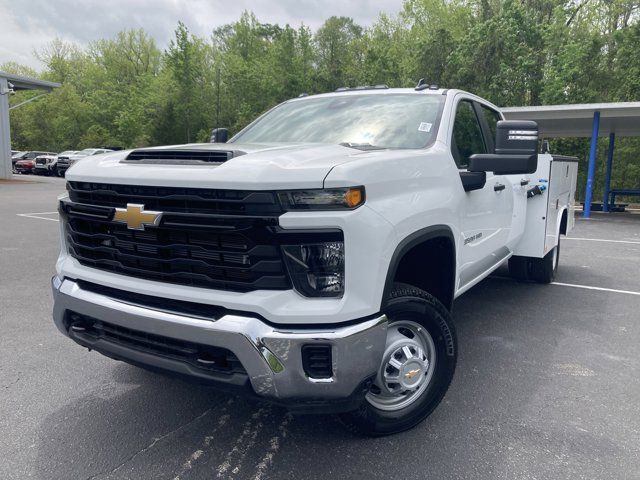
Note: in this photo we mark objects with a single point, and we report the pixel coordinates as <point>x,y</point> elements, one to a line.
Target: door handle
<point>498,187</point>
<point>524,181</point>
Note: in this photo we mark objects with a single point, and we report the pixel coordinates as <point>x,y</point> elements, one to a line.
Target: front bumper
<point>271,355</point>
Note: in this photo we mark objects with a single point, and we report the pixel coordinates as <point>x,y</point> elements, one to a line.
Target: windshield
<point>86,151</point>
<point>384,121</point>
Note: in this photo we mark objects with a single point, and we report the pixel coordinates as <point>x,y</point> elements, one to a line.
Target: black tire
<point>410,303</point>
<point>519,268</point>
<point>543,270</point>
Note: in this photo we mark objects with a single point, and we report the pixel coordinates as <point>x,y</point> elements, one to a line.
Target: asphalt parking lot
<point>547,384</point>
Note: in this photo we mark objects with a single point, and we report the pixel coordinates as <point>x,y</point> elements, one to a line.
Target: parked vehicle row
<point>49,163</point>
<point>24,162</point>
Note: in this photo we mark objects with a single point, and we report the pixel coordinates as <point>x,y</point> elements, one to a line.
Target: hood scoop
<point>180,157</point>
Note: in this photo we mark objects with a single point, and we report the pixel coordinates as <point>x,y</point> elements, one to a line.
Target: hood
<point>258,167</point>
<point>74,156</point>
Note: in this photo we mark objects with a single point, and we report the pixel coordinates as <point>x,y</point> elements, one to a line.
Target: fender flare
<point>412,240</point>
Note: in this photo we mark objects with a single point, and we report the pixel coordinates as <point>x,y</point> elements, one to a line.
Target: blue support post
<point>591,172</point>
<point>607,179</point>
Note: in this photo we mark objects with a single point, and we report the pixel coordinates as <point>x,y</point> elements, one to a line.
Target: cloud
<point>28,25</point>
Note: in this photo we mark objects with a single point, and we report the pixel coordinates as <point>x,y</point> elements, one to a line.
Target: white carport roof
<point>21,82</point>
<point>621,118</point>
<point>10,83</point>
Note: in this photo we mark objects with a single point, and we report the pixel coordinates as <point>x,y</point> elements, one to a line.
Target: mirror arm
<point>473,180</point>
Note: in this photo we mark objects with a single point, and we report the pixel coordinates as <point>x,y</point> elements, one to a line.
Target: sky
<point>28,25</point>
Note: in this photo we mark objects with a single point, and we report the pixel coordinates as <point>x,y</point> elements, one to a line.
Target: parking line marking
<point>602,240</point>
<point>33,215</point>
<point>586,287</point>
<point>602,289</point>
<point>38,213</point>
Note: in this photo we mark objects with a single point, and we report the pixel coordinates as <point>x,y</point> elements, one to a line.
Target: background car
<point>29,155</point>
<point>25,166</point>
<point>65,161</point>
<point>44,164</point>
<point>53,166</point>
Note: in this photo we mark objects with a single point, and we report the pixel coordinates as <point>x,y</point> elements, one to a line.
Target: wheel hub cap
<point>406,369</point>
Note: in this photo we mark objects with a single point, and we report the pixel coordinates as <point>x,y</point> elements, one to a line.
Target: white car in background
<point>53,166</point>
<point>65,161</point>
<point>44,164</point>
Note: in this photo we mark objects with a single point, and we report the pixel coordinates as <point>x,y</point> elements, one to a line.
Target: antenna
<point>422,85</point>
<point>218,100</point>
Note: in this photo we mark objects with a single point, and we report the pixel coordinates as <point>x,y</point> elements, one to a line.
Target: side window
<point>492,117</point>
<point>467,134</point>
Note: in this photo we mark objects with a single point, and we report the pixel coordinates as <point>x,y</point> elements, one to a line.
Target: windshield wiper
<point>362,146</point>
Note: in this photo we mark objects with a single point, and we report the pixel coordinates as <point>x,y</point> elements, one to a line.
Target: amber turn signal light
<point>354,197</point>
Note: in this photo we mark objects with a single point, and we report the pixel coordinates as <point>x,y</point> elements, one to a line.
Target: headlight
<point>316,269</point>
<point>323,199</point>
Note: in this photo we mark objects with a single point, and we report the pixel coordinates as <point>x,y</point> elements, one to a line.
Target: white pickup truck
<point>313,259</point>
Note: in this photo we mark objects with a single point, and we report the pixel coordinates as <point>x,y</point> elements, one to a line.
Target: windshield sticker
<point>425,127</point>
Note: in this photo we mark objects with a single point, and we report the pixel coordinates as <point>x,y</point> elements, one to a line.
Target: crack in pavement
<point>244,442</point>
<point>151,445</point>
<point>274,446</point>
<point>222,421</point>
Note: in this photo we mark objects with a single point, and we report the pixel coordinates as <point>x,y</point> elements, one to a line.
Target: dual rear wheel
<point>539,270</point>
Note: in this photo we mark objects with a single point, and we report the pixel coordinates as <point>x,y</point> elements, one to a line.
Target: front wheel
<point>417,366</point>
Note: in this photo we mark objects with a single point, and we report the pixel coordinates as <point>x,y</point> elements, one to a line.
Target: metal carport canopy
<point>8,84</point>
<point>585,120</point>
<point>621,118</point>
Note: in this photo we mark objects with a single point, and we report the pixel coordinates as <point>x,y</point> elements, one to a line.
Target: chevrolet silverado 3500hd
<point>313,259</point>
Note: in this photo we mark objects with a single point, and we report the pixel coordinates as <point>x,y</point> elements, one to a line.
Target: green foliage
<point>125,91</point>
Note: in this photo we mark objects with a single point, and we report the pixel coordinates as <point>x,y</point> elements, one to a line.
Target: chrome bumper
<point>270,355</point>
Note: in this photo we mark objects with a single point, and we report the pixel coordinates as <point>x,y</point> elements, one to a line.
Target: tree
<point>186,60</point>
<point>337,62</point>
<point>125,91</point>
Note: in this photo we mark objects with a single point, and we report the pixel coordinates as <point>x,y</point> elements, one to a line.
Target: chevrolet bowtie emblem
<point>136,217</point>
<point>411,373</point>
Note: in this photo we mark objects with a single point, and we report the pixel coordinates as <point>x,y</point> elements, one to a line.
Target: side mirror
<point>219,135</point>
<point>516,150</point>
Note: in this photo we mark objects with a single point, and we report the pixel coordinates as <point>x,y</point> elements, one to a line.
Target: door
<point>486,213</point>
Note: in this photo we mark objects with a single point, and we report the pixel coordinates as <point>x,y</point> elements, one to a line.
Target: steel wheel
<point>407,367</point>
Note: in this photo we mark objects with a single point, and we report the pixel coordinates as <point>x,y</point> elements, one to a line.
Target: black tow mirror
<point>219,135</point>
<point>517,137</point>
<point>516,150</point>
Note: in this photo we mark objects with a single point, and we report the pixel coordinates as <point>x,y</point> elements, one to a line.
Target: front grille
<point>221,239</point>
<point>205,357</point>
<point>172,199</point>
